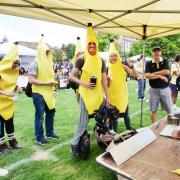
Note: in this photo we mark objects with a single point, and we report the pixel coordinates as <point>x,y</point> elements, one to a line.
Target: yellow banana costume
<point>92,98</point>
<point>77,50</point>
<point>8,81</point>
<point>117,91</point>
<point>45,73</point>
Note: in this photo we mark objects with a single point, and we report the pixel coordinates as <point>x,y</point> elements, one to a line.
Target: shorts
<point>174,88</point>
<point>163,96</point>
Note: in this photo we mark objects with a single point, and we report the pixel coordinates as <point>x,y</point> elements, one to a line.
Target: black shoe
<point>75,150</point>
<point>4,149</point>
<point>54,136</point>
<point>173,119</point>
<point>14,144</point>
<point>42,142</point>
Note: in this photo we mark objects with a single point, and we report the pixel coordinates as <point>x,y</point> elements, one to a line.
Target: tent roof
<point>136,18</point>
<point>23,51</point>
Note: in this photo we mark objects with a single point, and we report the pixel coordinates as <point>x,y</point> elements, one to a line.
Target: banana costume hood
<point>117,91</point>
<point>8,81</point>
<point>45,73</point>
<point>92,98</point>
<point>77,50</point>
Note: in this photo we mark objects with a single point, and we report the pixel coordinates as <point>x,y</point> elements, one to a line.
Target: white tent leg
<point>141,119</point>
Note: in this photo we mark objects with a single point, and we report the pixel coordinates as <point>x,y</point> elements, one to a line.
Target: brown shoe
<point>4,149</point>
<point>14,144</point>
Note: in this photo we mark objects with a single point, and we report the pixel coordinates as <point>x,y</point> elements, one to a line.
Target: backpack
<point>84,145</point>
<point>178,83</point>
<point>28,90</point>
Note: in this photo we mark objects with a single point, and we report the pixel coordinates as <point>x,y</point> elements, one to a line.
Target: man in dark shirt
<point>157,71</point>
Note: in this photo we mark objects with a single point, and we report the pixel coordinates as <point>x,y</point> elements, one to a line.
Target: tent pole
<point>142,90</point>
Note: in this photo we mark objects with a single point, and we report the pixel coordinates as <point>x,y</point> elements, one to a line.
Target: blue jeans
<point>140,89</point>
<point>41,108</point>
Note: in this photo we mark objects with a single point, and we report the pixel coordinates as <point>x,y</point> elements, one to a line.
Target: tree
<point>103,39</point>
<point>58,56</point>
<point>69,50</point>
<point>170,46</point>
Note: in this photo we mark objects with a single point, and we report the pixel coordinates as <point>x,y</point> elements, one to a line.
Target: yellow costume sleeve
<point>45,73</point>
<point>92,98</point>
<point>117,91</point>
<point>8,81</point>
<point>77,50</point>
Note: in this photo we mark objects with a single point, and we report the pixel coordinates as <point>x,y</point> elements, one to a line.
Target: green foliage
<point>103,39</point>
<point>170,46</point>
<point>58,55</point>
<point>69,50</point>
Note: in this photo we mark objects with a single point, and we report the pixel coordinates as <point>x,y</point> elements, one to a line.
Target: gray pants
<point>163,96</point>
<point>82,124</point>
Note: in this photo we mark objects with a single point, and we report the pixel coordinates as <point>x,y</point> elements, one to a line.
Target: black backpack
<point>73,85</point>
<point>28,90</point>
<point>84,145</point>
<point>178,83</point>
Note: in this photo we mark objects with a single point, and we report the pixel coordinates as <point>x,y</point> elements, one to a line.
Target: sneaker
<point>4,149</point>
<point>42,142</point>
<point>14,144</point>
<point>140,99</point>
<point>54,136</point>
<point>75,150</point>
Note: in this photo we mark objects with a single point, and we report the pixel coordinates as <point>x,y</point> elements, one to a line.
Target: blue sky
<point>17,28</point>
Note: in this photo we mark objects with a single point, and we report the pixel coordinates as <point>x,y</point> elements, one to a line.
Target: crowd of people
<point>95,84</point>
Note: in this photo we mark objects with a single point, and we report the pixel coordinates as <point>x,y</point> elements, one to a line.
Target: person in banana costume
<point>78,54</point>
<point>41,76</point>
<point>117,90</point>
<point>91,93</point>
<point>9,72</point>
<point>78,51</point>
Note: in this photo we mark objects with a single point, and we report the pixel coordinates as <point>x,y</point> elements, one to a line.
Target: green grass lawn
<point>67,167</point>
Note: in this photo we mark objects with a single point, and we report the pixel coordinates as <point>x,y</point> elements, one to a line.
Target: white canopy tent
<point>26,55</point>
<point>142,19</point>
<point>136,18</point>
<point>22,50</point>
